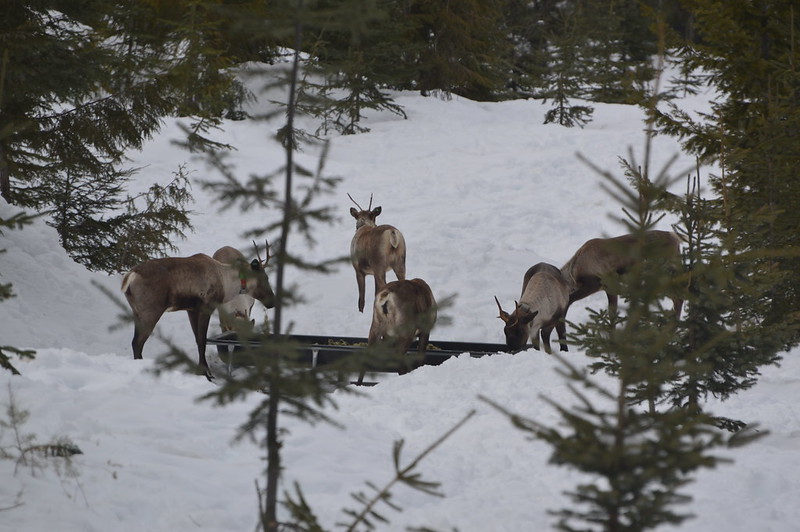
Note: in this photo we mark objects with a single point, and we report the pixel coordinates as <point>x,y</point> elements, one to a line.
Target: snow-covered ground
<point>481,192</point>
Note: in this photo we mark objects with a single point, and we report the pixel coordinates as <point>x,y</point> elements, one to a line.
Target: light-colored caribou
<point>375,249</point>
<point>599,257</point>
<point>403,311</point>
<point>542,306</point>
<point>196,284</point>
<point>237,309</point>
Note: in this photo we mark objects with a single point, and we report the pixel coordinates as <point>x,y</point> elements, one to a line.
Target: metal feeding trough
<point>321,351</point>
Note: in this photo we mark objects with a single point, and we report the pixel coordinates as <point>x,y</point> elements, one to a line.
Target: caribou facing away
<point>196,284</point>
<point>375,249</point>
<point>402,311</point>
<point>542,306</point>
<point>598,257</point>
<point>240,306</point>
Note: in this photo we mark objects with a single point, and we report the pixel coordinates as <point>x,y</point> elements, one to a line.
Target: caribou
<point>542,306</point>
<point>599,257</point>
<point>403,311</point>
<point>237,310</point>
<point>375,249</point>
<point>198,284</point>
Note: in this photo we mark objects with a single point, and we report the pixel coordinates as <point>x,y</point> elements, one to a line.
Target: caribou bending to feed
<point>541,307</point>
<point>402,311</point>
<point>599,257</point>
<point>240,306</point>
<point>196,284</point>
<point>375,249</point>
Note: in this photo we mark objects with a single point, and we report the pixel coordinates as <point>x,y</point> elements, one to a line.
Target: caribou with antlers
<point>375,249</point>
<point>196,284</point>
<point>542,306</point>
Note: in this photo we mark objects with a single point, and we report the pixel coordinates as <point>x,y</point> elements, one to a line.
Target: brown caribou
<point>375,249</point>
<point>599,257</point>
<point>403,311</point>
<point>196,284</point>
<point>237,309</point>
<point>542,306</point>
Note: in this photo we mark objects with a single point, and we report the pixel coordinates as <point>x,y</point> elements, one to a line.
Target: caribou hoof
<point>206,372</point>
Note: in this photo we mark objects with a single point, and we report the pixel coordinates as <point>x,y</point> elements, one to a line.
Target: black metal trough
<point>320,351</point>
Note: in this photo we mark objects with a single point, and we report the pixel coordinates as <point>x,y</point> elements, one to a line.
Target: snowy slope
<point>481,191</point>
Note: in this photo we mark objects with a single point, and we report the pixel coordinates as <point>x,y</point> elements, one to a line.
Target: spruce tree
<point>527,26</point>
<point>565,79</point>
<point>358,55</point>
<point>578,50</point>
<point>17,221</point>
<point>722,342</point>
<point>748,52</point>
<point>82,84</point>
<point>620,45</point>
<point>462,47</point>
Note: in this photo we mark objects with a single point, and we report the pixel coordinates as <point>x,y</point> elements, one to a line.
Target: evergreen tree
<point>722,342</point>
<point>463,49</point>
<point>620,45</point>
<point>358,54</point>
<point>748,51</point>
<point>16,221</point>
<point>84,83</point>
<point>565,79</point>
<point>580,50</point>
<point>528,26</point>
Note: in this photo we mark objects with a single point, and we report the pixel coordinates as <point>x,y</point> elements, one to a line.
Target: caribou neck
<point>233,283</point>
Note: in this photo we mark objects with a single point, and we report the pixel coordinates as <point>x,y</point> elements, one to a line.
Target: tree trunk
<point>5,178</point>
<point>270,516</point>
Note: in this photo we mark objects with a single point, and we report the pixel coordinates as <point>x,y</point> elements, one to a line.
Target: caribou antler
<point>258,253</point>
<point>359,206</point>
<point>503,314</point>
<point>354,201</point>
<point>266,244</point>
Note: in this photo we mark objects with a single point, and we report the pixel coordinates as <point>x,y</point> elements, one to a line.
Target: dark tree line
<point>82,83</point>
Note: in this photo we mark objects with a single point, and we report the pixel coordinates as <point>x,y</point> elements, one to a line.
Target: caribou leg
<point>561,329</point>
<point>422,347</point>
<point>361,280</point>
<point>400,269</point>
<point>199,321</point>
<point>380,281</point>
<point>139,338</point>
<point>545,332</point>
<point>534,341</point>
<point>142,329</point>
<point>612,303</point>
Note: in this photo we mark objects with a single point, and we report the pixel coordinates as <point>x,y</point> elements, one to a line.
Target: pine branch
<point>403,475</point>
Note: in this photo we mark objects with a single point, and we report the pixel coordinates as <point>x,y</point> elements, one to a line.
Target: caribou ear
<point>528,317</point>
<point>353,212</point>
<point>255,265</point>
<point>376,211</point>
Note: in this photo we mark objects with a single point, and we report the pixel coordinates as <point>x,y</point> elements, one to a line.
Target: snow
<point>481,192</point>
